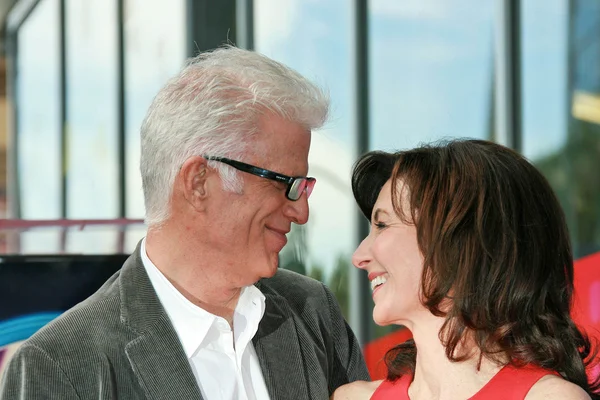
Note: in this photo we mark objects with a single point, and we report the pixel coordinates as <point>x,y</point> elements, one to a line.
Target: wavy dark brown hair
<point>495,243</point>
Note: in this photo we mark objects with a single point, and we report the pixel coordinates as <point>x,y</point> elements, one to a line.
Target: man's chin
<point>273,263</point>
<point>269,269</point>
<point>274,266</point>
<point>277,261</point>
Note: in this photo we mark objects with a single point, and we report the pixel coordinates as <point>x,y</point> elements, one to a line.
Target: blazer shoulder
<point>307,297</point>
<point>286,283</point>
<point>85,323</point>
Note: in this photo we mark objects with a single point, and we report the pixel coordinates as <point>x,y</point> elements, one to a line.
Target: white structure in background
<point>331,226</point>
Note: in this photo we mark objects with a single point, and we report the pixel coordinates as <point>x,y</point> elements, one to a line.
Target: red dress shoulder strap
<point>396,390</point>
<point>512,383</point>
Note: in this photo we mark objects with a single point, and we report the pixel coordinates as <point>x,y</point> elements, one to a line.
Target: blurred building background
<point>76,78</point>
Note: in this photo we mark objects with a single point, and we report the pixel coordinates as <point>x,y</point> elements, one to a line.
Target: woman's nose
<point>361,256</point>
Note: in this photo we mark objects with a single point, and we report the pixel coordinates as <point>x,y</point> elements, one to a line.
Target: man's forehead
<point>281,151</point>
<point>272,125</point>
<point>287,164</point>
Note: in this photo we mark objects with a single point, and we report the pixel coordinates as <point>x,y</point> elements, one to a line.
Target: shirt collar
<point>191,322</point>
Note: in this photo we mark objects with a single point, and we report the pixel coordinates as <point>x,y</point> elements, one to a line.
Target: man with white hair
<point>200,309</point>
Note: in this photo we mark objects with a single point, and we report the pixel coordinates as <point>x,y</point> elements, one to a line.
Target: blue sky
<point>430,74</point>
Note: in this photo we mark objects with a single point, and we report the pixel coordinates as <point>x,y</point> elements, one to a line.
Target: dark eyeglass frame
<point>290,181</point>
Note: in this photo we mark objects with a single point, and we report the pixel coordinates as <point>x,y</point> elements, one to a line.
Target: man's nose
<point>297,211</point>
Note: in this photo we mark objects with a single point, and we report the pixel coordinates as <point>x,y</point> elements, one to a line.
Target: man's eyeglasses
<point>296,185</point>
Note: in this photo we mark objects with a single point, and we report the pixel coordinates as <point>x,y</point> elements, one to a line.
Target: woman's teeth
<point>380,280</point>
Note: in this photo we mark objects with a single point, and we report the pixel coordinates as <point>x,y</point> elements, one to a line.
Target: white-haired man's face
<point>248,230</point>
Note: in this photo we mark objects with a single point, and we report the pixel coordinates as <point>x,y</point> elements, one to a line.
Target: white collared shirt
<point>224,362</point>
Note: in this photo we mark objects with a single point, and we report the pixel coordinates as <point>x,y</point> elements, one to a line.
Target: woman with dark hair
<point>469,249</point>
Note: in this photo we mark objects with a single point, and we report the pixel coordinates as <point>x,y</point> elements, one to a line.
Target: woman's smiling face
<point>393,260</point>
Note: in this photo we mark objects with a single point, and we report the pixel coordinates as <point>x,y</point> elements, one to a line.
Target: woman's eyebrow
<point>378,212</point>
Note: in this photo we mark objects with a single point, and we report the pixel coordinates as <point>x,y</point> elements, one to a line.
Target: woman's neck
<point>436,377</point>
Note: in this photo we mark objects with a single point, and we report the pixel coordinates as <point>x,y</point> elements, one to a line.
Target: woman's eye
<point>379,225</point>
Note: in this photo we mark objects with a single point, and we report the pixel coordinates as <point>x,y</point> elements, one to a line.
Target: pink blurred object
<point>586,302</point>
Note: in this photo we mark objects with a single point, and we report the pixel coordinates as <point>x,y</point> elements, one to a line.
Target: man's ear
<point>194,175</point>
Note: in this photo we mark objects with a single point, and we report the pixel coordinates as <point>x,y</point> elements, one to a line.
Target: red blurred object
<point>375,351</point>
<point>586,304</point>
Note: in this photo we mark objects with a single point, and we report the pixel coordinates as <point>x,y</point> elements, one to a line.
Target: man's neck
<point>195,277</point>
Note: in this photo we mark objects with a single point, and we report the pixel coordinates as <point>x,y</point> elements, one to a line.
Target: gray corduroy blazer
<point>120,344</point>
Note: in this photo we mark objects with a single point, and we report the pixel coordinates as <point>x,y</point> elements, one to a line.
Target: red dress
<point>510,383</point>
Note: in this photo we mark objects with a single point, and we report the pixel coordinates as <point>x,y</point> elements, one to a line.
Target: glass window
<point>544,76</point>
<point>92,133</point>
<point>315,38</point>
<point>561,108</point>
<point>431,73</point>
<point>38,118</point>
<point>431,66</point>
<point>155,38</point>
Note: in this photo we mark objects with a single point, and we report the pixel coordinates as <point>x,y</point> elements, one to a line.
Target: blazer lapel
<point>162,367</point>
<point>278,349</point>
<point>156,355</point>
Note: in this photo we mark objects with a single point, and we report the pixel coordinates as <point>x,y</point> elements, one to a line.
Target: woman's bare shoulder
<point>553,387</point>
<point>358,390</point>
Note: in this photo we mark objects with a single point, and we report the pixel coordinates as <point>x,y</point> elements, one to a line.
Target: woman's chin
<point>381,319</point>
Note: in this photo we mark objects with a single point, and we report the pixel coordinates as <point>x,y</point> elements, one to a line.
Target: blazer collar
<point>278,349</point>
<point>156,355</point>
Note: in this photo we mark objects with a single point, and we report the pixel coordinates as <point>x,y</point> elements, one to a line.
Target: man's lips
<point>280,234</point>
<point>280,231</point>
